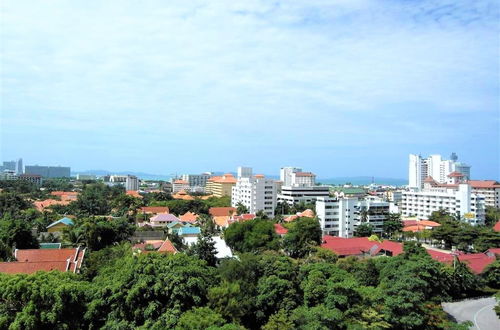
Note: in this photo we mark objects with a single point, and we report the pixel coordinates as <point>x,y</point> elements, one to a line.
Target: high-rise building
<point>19,166</point>
<point>257,193</point>
<point>131,183</point>
<point>48,171</point>
<point>9,165</point>
<point>244,172</point>
<point>435,167</point>
<point>286,174</point>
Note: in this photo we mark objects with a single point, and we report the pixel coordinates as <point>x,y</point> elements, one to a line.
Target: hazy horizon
<point>340,88</point>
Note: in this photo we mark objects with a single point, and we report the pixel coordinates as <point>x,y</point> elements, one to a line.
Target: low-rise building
<point>180,185</point>
<point>60,225</point>
<point>306,194</point>
<point>33,260</point>
<point>456,199</point>
<point>489,189</point>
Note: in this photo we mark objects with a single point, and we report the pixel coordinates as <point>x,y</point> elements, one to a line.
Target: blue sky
<point>340,87</point>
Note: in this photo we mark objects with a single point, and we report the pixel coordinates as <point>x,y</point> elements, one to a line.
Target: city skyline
<point>345,88</point>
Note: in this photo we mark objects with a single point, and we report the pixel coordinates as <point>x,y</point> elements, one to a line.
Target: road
<point>479,311</point>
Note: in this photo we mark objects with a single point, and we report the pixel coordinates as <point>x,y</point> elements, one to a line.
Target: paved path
<point>479,311</point>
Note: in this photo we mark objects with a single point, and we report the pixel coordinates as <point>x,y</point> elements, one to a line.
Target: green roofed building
<point>347,192</point>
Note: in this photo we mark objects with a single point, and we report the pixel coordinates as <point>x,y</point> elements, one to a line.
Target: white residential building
<point>179,185</point>
<point>295,177</point>
<point>307,194</point>
<point>489,189</point>
<point>256,193</point>
<point>456,199</point>
<point>434,166</point>
<point>340,217</point>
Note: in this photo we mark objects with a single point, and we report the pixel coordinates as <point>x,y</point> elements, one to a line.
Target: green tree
<point>392,224</point>
<point>142,288</point>
<point>252,236</point>
<point>199,318</point>
<point>241,209</point>
<point>16,233</point>
<point>491,275</point>
<point>279,321</point>
<point>302,238</point>
<point>97,232</point>
<point>44,300</point>
<point>204,249</point>
<point>12,203</point>
<point>363,230</point>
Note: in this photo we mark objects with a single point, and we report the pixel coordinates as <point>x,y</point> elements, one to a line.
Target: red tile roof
<point>32,260</point>
<point>347,246</point>
<point>496,227</point>
<point>221,211</point>
<point>32,267</point>
<point>279,229</point>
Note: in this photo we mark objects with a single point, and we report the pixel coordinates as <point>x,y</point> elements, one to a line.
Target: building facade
<point>48,171</point>
<point>457,200</point>
<point>196,180</point>
<point>179,185</point>
<point>489,189</point>
<point>131,183</point>
<point>220,185</point>
<point>294,195</point>
<point>340,216</point>
<point>257,193</point>
<point>434,166</point>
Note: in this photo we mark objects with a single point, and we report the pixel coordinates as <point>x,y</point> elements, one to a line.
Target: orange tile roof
<point>189,217</point>
<point>221,211</point>
<point>226,178</point>
<point>496,227</point>
<point>279,229</point>
<point>259,176</point>
<point>484,184</point>
<point>183,195</point>
<point>304,174</point>
<point>155,209</point>
<point>291,218</point>
<point>221,221</point>
<point>167,247</point>
<point>429,223</point>
<point>456,175</point>
<point>307,213</point>
<point>41,205</point>
<point>133,193</point>
<point>181,182</point>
